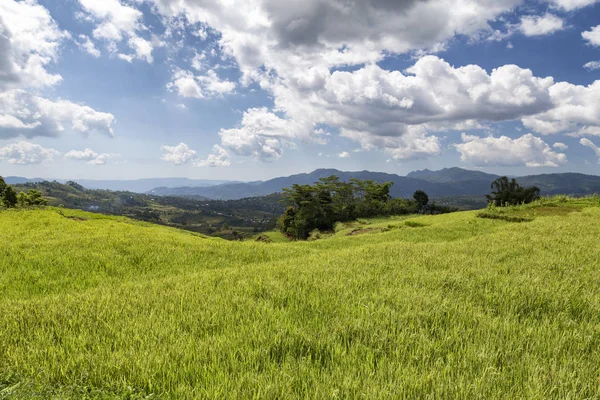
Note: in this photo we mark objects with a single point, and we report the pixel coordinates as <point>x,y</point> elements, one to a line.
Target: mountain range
<point>133,185</point>
<point>448,182</point>
<point>445,183</point>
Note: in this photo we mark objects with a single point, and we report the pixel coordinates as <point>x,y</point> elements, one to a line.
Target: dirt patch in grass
<point>529,214</point>
<point>547,211</point>
<point>414,224</point>
<point>362,231</point>
<point>503,217</point>
<point>264,239</point>
<point>75,218</point>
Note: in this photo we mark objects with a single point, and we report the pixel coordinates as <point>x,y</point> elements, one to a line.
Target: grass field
<point>450,306</point>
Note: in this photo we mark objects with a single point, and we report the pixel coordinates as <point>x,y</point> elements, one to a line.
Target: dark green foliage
<point>3,186</point>
<point>508,218</point>
<point>36,198</point>
<point>320,206</point>
<point>421,198</point>
<point>9,197</point>
<point>147,214</point>
<point>414,224</point>
<point>509,192</point>
<point>76,186</point>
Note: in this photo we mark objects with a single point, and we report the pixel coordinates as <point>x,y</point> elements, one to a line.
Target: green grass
<point>276,237</point>
<point>458,307</point>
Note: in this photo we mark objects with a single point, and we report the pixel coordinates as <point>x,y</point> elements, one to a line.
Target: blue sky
<point>254,89</point>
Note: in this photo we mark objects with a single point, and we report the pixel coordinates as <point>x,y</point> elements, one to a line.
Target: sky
<point>254,89</point>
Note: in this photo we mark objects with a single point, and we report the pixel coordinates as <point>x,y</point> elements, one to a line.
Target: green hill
<point>448,306</point>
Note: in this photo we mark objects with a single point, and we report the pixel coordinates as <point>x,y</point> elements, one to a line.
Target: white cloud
<point>29,42</point>
<point>86,44</point>
<point>26,153</point>
<point>570,5</point>
<point>344,154</point>
<point>575,110</point>
<point>198,61</point>
<point>212,84</point>
<point>262,134</point>
<point>414,144</point>
<point>527,150</point>
<point>90,156</point>
<point>179,155</point>
<point>182,154</point>
<point>117,22</point>
<point>294,51</point>
<point>591,145</point>
<point>125,57</point>
<point>28,115</point>
<point>592,65</point>
<point>115,19</point>
<point>271,35</point>
<point>218,158</point>
<point>185,84</point>
<point>535,25</point>
<point>560,146</point>
<point>199,87</point>
<point>592,36</point>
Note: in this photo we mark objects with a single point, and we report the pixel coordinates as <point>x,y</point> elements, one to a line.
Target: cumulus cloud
<point>90,156</point>
<point>535,25</point>
<point>28,115</point>
<point>24,153</point>
<point>575,111</point>
<point>569,5</point>
<point>592,36</point>
<point>344,154</point>
<point>118,23</point>
<point>178,155</point>
<point>186,84</point>
<point>273,32</point>
<point>560,146</point>
<point>527,150</point>
<point>591,145</point>
<point>86,44</point>
<point>412,145</point>
<point>182,155</point>
<point>262,134</point>
<point>218,158</point>
<point>300,53</point>
<point>592,65</point>
<point>29,42</point>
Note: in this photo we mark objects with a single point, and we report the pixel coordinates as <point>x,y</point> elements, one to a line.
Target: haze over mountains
<point>447,182</point>
<point>133,185</point>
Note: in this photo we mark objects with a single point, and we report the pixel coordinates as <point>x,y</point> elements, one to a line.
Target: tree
<point>3,186</point>
<point>36,198</point>
<point>9,197</point>
<point>509,192</point>
<point>23,199</point>
<point>421,198</point>
<point>320,206</point>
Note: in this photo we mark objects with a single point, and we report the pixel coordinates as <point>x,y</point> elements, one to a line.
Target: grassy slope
<point>462,307</point>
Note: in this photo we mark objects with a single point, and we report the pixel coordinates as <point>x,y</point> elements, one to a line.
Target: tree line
<point>9,198</point>
<point>330,200</point>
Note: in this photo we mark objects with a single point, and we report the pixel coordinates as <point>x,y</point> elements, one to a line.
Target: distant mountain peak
<point>451,175</point>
